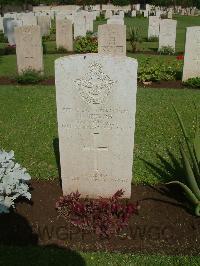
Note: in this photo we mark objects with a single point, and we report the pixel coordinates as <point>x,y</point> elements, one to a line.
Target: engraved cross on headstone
<point>97,149</point>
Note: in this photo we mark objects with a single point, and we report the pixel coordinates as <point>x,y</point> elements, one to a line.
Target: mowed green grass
<point>142,25</point>
<point>28,125</point>
<point>8,64</point>
<point>51,256</point>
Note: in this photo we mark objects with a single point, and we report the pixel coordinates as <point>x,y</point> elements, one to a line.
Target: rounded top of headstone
<point>95,56</point>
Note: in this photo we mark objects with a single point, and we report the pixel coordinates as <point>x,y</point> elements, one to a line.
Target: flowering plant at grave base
<point>104,217</point>
<point>150,70</point>
<point>88,44</point>
<point>13,181</point>
<point>180,57</point>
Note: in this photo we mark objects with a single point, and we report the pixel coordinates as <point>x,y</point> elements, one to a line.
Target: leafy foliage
<point>192,82</point>
<point>191,165</point>
<point>62,50</point>
<point>3,39</point>
<point>13,181</point>
<point>159,71</point>
<point>104,217</point>
<point>167,50</point>
<point>153,39</point>
<point>101,17</point>
<point>134,38</point>
<point>88,44</point>
<point>29,76</point>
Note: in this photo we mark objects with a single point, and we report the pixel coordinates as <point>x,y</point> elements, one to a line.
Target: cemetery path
<point>163,224</point>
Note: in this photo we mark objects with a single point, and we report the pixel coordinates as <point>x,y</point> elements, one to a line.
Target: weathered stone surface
<point>108,14</point>
<point>154,26</point>
<point>5,25</point>
<point>112,39</point>
<point>1,23</point>
<point>114,20</point>
<point>89,18</point>
<point>169,15</point>
<point>167,35</point>
<point>29,20</point>
<point>64,38</point>
<point>96,104</point>
<point>146,13</point>
<point>29,48</point>
<point>191,67</point>
<point>133,13</point>
<point>79,25</point>
<point>44,22</point>
<point>11,25</point>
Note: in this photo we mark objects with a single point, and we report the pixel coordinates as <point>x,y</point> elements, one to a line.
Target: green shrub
<point>9,50</point>
<point>44,46</point>
<point>153,39</point>
<point>101,17</point>
<point>134,38</point>
<point>192,82</point>
<point>167,50</point>
<point>157,71</point>
<point>86,44</point>
<point>3,39</point>
<point>29,77</point>
<point>51,37</point>
<point>61,50</point>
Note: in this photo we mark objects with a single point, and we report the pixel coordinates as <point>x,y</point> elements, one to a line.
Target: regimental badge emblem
<point>95,86</point>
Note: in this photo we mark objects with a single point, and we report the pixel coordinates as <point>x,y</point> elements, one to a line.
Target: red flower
<point>180,57</point>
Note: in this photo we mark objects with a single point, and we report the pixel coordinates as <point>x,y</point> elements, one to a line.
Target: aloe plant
<point>134,38</point>
<point>191,165</point>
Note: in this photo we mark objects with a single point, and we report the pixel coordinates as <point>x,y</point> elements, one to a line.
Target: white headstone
<point>108,14</point>
<point>1,23</point>
<point>5,25</point>
<point>191,67</point>
<point>121,14</point>
<point>96,104</point>
<point>167,35</point>
<point>169,15</point>
<point>11,25</point>
<point>29,48</point>
<point>146,13</point>
<point>112,39</point>
<point>133,13</point>
<point>154,26</point>
<point>29,20</point>
<point>79,25</point>
<point>118,21</point>
<point>158,13</point>
<point>45,23</point>
<point>64,38</point>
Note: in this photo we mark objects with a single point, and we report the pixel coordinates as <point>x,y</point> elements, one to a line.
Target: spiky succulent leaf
<point>196,146</point>
<point>193,199</point>
<point>197,210</point>
<point>190,178</point>
<point>189,146</point>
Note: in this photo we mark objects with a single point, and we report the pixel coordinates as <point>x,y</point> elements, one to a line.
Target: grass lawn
<point>8,64</point>
<point>49,256</point>
<point>28,125</point>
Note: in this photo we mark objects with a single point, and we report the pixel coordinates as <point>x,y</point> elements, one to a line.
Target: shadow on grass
<point>19,246</point>
<point>57,156</point>
<point>167,170</point>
